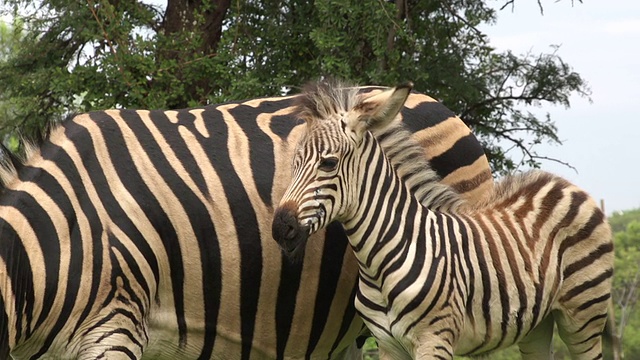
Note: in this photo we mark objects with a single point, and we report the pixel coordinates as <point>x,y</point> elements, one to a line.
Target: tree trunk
<point>181,18</point>
<point>611,335</point>
<point>401,8</point>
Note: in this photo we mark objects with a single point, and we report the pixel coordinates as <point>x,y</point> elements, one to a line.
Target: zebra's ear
<point>378,111</point>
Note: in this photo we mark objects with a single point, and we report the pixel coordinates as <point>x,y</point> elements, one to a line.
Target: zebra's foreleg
<point>386,353</point>
<point>434,348</point>
<point>537,344</point>
<point>120,352</point>
<point>117,334</point>
<point>115,344</point>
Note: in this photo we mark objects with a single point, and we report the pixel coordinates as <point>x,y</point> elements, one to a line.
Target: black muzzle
<point>287,231</point>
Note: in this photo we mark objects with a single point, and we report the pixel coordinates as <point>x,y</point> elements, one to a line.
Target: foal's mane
<point>324,99</point>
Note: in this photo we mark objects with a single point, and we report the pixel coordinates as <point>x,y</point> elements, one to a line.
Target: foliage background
<point>63,56</point>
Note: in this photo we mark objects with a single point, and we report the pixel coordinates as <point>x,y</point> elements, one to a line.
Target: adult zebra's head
<point>326,166</point>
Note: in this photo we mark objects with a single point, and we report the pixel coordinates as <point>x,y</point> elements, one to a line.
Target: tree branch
<point>447,6</point>
<point>495,99</point>
<point>627,298</point>
<point>512,3</point>
<point>109,42</point>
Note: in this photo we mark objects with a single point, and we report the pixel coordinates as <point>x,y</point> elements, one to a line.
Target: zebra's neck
<point>388,218</point>
<point>31,254</point>
<point>6,312</point>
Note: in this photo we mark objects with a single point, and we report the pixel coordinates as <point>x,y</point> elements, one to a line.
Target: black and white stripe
<point>147,232</point>
<point>436,280</point>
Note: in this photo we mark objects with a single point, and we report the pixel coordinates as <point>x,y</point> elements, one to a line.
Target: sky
<point>601,41</point>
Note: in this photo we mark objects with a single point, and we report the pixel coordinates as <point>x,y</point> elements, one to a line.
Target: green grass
<point>370,352</point>
<point>370,349</point>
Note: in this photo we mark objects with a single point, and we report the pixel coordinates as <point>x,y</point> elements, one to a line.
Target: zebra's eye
<point>328,164</point>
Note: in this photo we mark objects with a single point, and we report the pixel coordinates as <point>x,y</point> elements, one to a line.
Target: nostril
<point>290,227</point>
<point>285,226</point>
<point>291,233</point>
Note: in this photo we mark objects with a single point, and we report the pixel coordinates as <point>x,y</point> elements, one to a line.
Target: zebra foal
<point>463,281</point>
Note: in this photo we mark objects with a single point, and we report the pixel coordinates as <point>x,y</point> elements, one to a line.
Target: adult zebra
<point>462,280</point>
<point>148,232</point>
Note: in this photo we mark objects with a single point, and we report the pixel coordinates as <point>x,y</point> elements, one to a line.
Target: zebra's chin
<point>287,231</point>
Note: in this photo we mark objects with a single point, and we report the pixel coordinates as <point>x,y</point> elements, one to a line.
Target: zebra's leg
<point>120,347</point>
<point>537,344</point>
<point>116,352</point>
<point>581,331</point>
<point>117,334</point>
<point>385,353</point>
<point>434,347</point>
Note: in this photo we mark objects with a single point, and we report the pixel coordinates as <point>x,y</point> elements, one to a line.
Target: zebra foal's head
<point>327,165</point>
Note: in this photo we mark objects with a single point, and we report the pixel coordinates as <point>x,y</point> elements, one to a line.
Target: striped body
<point>474,282</point>
<point>132,233</point>
<point>436,280</point>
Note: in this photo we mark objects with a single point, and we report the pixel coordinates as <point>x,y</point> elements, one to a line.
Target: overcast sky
<point>601,41</point>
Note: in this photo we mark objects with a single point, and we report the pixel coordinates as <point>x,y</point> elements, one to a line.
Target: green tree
<point>9,39</point>
<point>129,53</point>
<point>619,220</point>
<point>627,281</point>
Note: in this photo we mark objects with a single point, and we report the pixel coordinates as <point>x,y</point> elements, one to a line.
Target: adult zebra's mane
<point>11,163</point>
<point>325,99</point>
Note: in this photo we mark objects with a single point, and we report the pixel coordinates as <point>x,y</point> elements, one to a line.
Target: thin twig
<point>464,21</point>
<point>110,44</point>
<point>538,157</point>
<point>188,62</point>
<point>510,2</point>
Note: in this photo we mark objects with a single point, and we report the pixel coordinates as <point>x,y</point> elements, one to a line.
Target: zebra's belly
<point>165,341</point>
<point>162,350</point>
<point>225,343</point>
<point>160,347</point>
